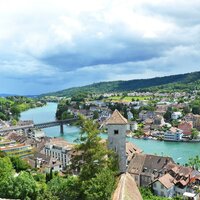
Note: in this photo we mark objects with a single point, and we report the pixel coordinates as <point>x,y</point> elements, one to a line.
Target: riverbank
<point>179,151</point>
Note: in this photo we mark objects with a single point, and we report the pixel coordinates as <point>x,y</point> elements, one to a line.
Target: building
<point>133,126</point>
<point>130,115</point>
<point>126,189</point>
<point>15,149</point>
<point>177,180</point>
<point>146,168</point>
<point>117,126</point>
<point>59,149</point>
<point>174,134</point>
<point>186,127</point>
<point>176,115</point>
<point>35,134</point>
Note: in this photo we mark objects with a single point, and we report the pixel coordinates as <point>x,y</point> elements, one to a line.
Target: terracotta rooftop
<point>167,180</point>
<point>127,189</point>
<point>117,118</point>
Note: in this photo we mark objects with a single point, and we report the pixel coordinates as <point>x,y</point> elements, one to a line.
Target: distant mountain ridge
<point>184,82</point>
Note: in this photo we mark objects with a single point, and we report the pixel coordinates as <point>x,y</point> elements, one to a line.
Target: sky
<point>50,45</point>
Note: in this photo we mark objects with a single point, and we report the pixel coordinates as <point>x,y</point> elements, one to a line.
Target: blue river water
<point>179,151</point>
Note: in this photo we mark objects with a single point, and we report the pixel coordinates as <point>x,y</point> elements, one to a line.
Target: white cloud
<point>57,40</point>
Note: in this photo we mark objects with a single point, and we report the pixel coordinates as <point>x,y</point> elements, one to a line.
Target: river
<point>179,151</point>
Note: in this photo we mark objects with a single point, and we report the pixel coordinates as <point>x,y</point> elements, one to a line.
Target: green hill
<point>181,82</point>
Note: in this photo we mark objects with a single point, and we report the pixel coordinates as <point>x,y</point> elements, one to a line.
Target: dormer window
<point>116,132</point>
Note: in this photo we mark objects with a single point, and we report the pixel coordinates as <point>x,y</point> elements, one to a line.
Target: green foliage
<point>194,133</point>
<point>5,167</point>
<point>195,106</point>
<point>194,162</point>
<point>65,188</point>
<point>101,186</point>
<point>47,195</point>
<point>182,82</point>
<point>19,164</point>
<point>147,194</point>
<point>95,115</point>
<point>22,187</point>
<point>11,107</point>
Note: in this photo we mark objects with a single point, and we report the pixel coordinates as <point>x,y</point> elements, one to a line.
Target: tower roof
<point>117,118</point>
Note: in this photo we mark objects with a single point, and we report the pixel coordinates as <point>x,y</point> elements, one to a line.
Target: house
<point>164,186</point>
<point>174,134</point>
<point>159,120</point>
<point>176,115</point>
<point>36,133</point>
<point>195,119</point>
<point>133,126</point>
<point>177,180</point>
<point>186,127</point>
<point>143,115</point>
<point>130,115</point>
<point>59,149</point>
<point>146,168</point>
<point>131,149</point>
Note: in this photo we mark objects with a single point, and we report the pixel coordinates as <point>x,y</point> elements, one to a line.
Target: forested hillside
<point>189,81</point>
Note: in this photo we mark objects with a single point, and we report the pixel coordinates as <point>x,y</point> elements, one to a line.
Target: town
<point>157,116</point>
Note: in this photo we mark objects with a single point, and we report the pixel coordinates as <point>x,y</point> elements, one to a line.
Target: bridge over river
<point>40,125</point>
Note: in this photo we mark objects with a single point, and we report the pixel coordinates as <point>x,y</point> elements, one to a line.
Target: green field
<point>128,98</point>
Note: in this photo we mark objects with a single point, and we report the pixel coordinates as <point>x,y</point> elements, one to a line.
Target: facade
<point>133,126</point>
<point>176,115</point>
<point>146,168</point>
<point>186,127</point>
<point>173,134</point>
<point>117,126</point>
<point>177,180</point>
<point>21,150</point>
<point>35,134</point>
<point>59,149</point>
<point>164,186</point>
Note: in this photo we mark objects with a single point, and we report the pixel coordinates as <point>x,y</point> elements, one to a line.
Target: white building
<point>117,126</point>
<point>36,133</point>
<point>176,115</point>
<point>164,186</point>
<point>130,115</point>
<point>60,150</point>
<point>174,134</point>
<point>133,126</point>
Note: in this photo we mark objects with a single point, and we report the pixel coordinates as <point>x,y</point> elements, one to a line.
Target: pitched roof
<point>167,180</point>
<point>126,189</point>
<point>117,118</point>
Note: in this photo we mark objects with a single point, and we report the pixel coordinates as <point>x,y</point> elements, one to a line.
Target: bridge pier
<point>61,128</point>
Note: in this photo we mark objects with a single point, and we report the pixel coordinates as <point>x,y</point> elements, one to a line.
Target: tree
<point>65,188</point>
<point>5,167</point>
<point>194,162</point>
<point>95,114</point>
<point>25,187</point>
<point>47,195</point>
<point>167,115</point>
<point>101,186</point>
<point>92,158</point>
<point>194,134</point>
<point>19,164</point>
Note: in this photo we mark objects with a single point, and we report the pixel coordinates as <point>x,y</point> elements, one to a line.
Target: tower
<point>117,126</point>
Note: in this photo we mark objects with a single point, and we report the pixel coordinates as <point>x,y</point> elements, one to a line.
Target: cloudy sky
<point>48,45</point>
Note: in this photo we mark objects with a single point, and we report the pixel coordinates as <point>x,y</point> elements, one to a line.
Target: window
<point>162,187</point>
<point>116,132</point>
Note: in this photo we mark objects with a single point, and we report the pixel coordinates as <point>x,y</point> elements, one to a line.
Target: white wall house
<point>176,115</point>
<point>60,150</point>
<point>173,134</point>
<point>163,189</point>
